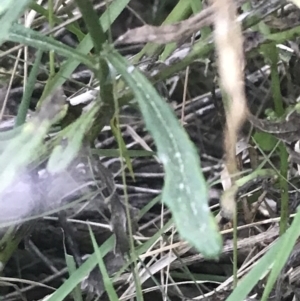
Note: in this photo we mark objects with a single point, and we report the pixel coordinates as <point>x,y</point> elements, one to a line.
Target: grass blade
<point>22,112</point>
<point>288,241</point>
<point>72,268</point>
<point>106,279</point>
<point>275,258</point>
<point>66,288</point>
<point>20,34</point>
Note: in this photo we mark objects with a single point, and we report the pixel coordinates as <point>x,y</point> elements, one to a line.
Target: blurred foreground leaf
<point>72,141</point>
<point>9,13</point>
<point>265,140</point>
<point>20,149</point>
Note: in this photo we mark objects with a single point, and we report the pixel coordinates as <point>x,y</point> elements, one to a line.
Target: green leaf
<point>20,34</point>
<point>266,141</point>
<point>122,145</point>
<point>66,288</point>
<point>259,270</point>
<point>9,13</point>
<point>106,279</point>
<point>288,240</point>
<point>20,148</point>
<point>23,108</point>
<point>185,191</point>
<point>72,268</point>
<point>90,18</point>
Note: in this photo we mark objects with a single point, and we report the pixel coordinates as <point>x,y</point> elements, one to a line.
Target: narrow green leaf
<point>23,108</point>
<point>66,288</point>
<point>9,13</point>
<point>288,240</point>
<point>106,279</point>
<point>149,206</point>
<point>122,146</point>
<point>72,268</point>
<point>275,258</point>
<point>180,12</point>
<point>98,37</point>
<point>91,20</point>
<point>245,286</point>
<point>20,34</point>
<point>20,148</point>
<point>11,245</point>
<point>185,191</point>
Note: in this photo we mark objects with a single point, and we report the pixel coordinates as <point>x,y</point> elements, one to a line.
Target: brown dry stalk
<point>229,47</point>
<point>165,34</point>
